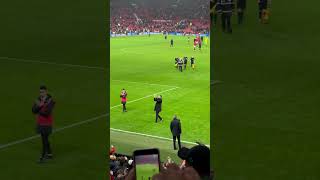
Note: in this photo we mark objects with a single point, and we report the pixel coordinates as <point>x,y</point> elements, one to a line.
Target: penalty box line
<point>3,146</point>
<point>150,95</point>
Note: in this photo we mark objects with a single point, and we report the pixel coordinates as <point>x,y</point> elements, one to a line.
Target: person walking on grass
<point>157,107</point>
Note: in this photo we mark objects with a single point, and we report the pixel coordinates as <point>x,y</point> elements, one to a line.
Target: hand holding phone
<point>146,163</point>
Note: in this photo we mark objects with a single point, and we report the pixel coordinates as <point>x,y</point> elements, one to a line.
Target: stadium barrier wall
<point>153,33</point>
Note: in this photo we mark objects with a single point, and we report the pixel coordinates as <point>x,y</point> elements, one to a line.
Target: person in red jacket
<point>42,108</point>
<point>123,97</point>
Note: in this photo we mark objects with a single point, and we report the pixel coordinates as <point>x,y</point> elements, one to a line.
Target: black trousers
<point>226,22</point>
<point>174,142</point>
<point>45,132</point>
<point>180,68</point>
<point>158,116</point>
<point>124,108</point>
<point>240,15</point>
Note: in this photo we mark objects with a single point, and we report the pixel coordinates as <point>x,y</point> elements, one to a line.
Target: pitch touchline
<point>152,136</point>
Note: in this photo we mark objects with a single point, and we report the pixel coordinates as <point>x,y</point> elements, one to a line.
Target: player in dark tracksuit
<point>180,64</point>
<point>225,7</point>
<point>175,127</point>
<point>192,62</point>
<point>43,109</point>
<point>263,5</point>
<point>185,62</point>
<point>171,43</point>
<point>241,6</point>
<point>157,107</point>
<point>176,61</point>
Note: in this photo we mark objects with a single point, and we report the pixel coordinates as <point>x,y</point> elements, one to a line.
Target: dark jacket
<point>44,112</point>
<point>241,4</point>
<point>175,127</point>
<point>157,107</point>
<point>225,6</point>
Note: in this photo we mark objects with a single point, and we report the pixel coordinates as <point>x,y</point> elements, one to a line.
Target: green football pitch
<point>144,66</point>
<point>62,45</point>
<point>266,110</point>
<point>146,171</point>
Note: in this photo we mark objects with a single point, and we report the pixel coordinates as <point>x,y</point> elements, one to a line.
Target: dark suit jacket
<point>157,107</point>
<point>175,127</point>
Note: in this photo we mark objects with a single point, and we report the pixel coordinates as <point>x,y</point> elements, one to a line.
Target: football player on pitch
<point>123,97</point>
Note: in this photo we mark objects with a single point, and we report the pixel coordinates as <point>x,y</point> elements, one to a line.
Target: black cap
<point>198,157</point>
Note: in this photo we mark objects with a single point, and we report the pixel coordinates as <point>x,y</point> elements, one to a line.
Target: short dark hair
<point>43,87</point>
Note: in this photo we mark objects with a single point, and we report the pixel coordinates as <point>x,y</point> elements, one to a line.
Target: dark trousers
<point>180,68</point>
<point>215,18</point>
<point>226,22</point>
<point>240,16</point>
<point>124,108</point>
<point>174,142</point>
<point>262,6</point>
<point>45,132</point>
<point>158,116</point>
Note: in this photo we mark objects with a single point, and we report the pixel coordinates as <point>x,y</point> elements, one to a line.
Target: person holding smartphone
<point>123,96</point>
<point>43,107</point>
<point>157,107</point>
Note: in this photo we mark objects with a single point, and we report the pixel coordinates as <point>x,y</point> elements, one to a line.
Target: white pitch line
<point>54,131</point>
<point>75,124</point>
<point>151,84</point>
<point>152,136</point>
<point>51,63</point>
<point>144,97</point>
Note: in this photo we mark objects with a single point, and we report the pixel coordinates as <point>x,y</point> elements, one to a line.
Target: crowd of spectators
<point>169,17</point>
<point>197,158</point>
<point>120,165</point>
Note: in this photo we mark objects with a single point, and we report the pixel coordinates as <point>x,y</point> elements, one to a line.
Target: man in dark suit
<point>157,107</point>
<point>175,127</point>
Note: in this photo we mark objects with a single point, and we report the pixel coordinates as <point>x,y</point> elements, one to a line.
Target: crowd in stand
<point>194,165</point>
<point>120,165</point>
<point>174,17</point>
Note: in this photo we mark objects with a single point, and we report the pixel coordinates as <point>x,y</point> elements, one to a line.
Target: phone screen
<point>146,165</point>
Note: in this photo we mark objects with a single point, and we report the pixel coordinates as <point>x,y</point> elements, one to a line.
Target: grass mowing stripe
<point>54,131</point>
<point>151,84</point>
<point>51,63</point>
<point>152,136</point>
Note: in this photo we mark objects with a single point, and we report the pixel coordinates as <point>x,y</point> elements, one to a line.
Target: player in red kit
<point>123,97</point>
<point>195,43</point>
<point>43,109</point>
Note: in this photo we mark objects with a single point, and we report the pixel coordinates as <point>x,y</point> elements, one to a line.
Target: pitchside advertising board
<point>154,33</point>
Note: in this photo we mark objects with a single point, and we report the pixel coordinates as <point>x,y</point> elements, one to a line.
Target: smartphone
<point>146,163</point>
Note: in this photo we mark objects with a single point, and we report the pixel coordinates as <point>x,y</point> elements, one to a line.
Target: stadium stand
<point>173,16</point>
